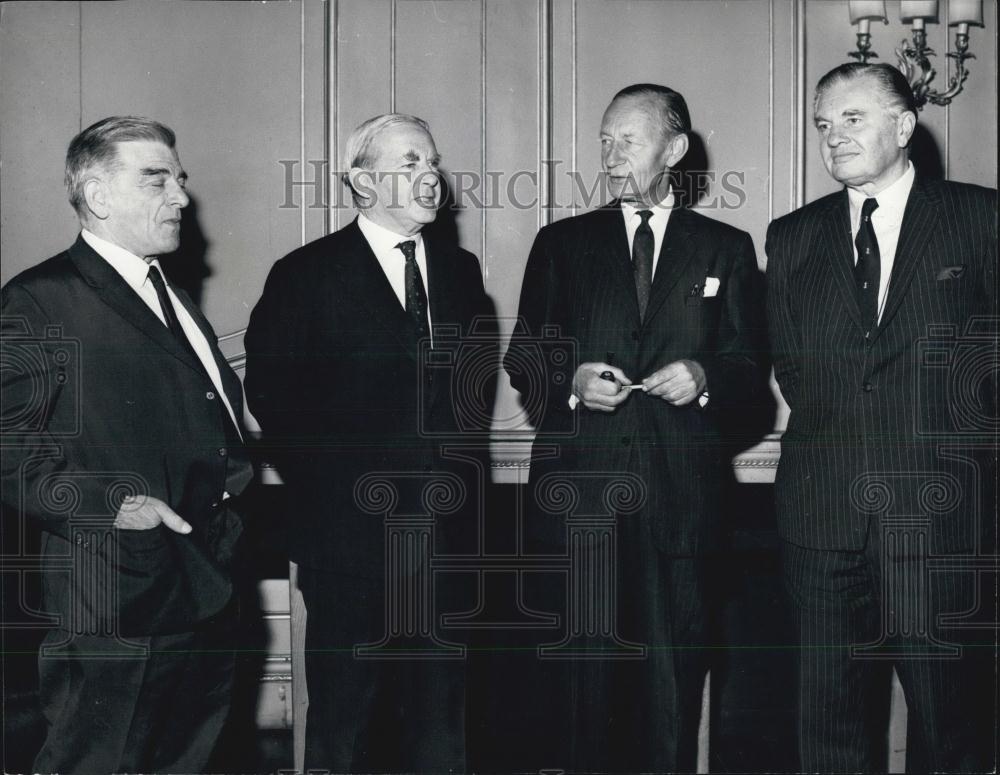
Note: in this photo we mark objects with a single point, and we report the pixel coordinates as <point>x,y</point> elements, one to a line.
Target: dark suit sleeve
<point>41,411</point>
<point>481,387</point>
<point>733,370</point>
<point>786,347</point>
<point>278,360</point>
<point>541,312</point>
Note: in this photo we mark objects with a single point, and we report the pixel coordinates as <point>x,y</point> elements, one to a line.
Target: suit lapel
<point>116,293</point>
<point>676,253</point>
<point>611,245</point>
<point>920,219</point>
<point>230,382</point>
<point>838,250</point>
<point>364,279</point>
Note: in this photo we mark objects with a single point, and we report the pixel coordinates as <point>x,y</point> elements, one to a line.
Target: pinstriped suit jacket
<point>900,423</point>
<point>579,278</point>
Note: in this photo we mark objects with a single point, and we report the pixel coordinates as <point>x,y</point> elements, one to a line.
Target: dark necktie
<point>416,297</point>
<point>169,313</point>
<point>239,470</point>
<point>866,271</point>
<point>642,260</point>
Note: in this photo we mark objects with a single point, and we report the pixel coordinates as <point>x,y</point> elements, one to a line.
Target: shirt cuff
<point>703,400</point>
<point>573,402</point>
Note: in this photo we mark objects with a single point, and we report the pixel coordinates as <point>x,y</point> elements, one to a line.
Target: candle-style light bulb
<point>918,11</point>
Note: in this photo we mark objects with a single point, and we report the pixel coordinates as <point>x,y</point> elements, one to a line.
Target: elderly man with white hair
<point>337,378</point>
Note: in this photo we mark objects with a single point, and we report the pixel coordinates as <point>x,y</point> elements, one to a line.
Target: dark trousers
<point>641,714</point>
<point>373,715</point>
<point>109,711</point>
<point>842,602</point>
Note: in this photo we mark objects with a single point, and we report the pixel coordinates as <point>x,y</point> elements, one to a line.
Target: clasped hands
<point>678,383</point>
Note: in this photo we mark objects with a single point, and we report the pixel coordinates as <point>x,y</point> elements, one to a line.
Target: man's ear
<point>96,195</point>
<point>906,124</point>
<point>362,182</point>
<point>676,148</point>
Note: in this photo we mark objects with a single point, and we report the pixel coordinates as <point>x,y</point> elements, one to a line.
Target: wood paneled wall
<point>263,94</point>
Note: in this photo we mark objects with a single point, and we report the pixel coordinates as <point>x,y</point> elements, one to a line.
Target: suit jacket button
<point>626,441</point>
<point>210,395</point>
<point>223,452</point>
<point>635,336</point>
<point>868,387</point>
<point>215,505</point>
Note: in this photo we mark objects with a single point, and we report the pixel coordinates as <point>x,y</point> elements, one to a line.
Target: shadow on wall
<point>925,154</point>
<point>445,226</point>
<point>690,175</point>
<point>186,267</point>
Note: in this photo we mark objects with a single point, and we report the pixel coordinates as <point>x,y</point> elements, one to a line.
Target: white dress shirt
<point>383,244</point>
<point>886,220</point>
<point>657,222</point>
<point>135,272</point>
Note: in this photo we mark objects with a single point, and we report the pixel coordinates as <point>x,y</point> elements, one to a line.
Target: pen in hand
<point>607,375</point>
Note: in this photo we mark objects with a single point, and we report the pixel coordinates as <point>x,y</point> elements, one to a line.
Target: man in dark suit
<point>123,439</point>
<point>660,303</point>
<point>338,376</point>
<point>871,290</point>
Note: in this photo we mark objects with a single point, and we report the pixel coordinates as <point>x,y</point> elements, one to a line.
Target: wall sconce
<point>862,13</point>
<point>913,55</point>
<point>913,59</point>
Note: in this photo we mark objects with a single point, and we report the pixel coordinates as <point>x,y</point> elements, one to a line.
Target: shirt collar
<point>134,270</point>
<point>381,239</point>
<point>660,209</point>
<point>891,201</point>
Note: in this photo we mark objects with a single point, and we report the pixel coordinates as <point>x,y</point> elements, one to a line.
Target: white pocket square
<point>711,286</point>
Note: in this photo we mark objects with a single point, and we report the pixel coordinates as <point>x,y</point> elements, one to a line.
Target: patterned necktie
<point>642,260</point>
<point>416,297</point>
<point>866,271</point>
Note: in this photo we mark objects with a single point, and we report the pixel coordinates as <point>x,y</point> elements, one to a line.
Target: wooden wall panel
<point>971,148</point>
<point>363,73</point>
<point>39,113</point>
<point>437,77</point>
<point>511,155</point>
<point>702,50</point>
<point>226,78</point>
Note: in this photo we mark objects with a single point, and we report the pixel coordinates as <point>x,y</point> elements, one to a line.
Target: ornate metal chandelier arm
<point>916,66</point>
<point>957,81</point>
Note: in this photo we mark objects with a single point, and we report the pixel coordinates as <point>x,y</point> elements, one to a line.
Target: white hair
<point>359,150</point>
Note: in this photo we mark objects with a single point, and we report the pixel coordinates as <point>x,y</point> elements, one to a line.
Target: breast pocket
<point>699,301</point>
<point>955,291</point>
